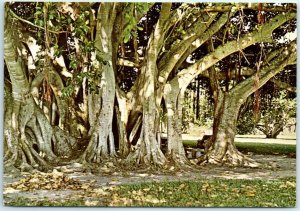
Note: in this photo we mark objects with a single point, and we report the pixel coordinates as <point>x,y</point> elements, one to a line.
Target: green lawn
<point>258,148</point>
<point>261,148</point>
<point>199,193</point>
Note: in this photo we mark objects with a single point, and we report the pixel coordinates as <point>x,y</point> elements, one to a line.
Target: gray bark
<point>173,98</point>
<point>101,145</point>
<point>228,105</point>
<point>147,149</point>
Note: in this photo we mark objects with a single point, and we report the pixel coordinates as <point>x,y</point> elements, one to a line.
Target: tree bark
<point>173,99</point>
<point>101,145</point>
<point>227,105</point>
<point>147,149</point>
<point>22,128</point>
<point>222,148</point>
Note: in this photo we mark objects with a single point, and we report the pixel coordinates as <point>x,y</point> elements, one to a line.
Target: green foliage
<point>92,77</point>
<point>68,90</point>
<point>274,114</point>
<point>280,111</point>
<point>205,115</point>
<point>246,123</point>
<point>132,10</point>
<point>79,26</point>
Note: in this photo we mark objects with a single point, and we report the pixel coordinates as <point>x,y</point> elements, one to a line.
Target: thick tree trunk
<point>221,149</point>
<point>30,139</point>
<point>174,100</point>
<point>147,149</point>
<point>101,145</point>
<point>122,115</point>
<point>20,152</point>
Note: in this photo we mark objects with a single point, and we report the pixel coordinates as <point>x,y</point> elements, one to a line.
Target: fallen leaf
<point>251,194</point>
<point>181,186</point>
<point>34,180</point>
<point>91,203</point>
<point>85,186</point>
<point>100,191</point>
<point>292,184</point>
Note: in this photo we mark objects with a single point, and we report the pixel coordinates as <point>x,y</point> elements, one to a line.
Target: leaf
<point>85,28</point>
<point>101,191</point>
<point>250,194</point>
<point>34,180</point>
<point>38,13</point>
<point>127,37</point>
<point>181,186</point>
<point>85,186</point>
<point>91,203</point>
<point>291,184</point>
<point>73,64</point>
<point>51,16</point>
<point>140,28</point>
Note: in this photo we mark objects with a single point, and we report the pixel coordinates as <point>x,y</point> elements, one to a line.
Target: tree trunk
<point>146,90</point>
<point>174,100</point>
<point>221,148</point>
<point>147,149</point>
<point>273,131</point>
<point>197,98</point>
<point>122,114</point>
<point>101,145</point>
<point>22,129</point>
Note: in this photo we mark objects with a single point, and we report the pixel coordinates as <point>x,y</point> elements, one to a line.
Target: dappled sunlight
<point>110,94</point>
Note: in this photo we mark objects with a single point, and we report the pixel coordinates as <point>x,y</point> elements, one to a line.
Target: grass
<point>265,149</point>
<point>257,148</point>
<point>199,193</point>
<point>25,202</point>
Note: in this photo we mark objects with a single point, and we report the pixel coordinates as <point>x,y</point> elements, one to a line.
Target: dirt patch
<point>280,167</point>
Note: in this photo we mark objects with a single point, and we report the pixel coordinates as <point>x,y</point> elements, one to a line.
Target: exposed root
<point>21,155</point>
<point>140,157</point>
<point>181,162</point>
<point>230,159</point>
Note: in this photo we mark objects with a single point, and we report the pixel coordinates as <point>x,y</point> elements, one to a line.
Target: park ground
<point>272,185</point>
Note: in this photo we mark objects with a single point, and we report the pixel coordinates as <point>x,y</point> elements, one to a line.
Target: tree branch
<point>263,35</point>
<point>249,6</point>
<point>247,87</point>
<point>29,23</point>
<point>184,48</point>
<point>284,85</point>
